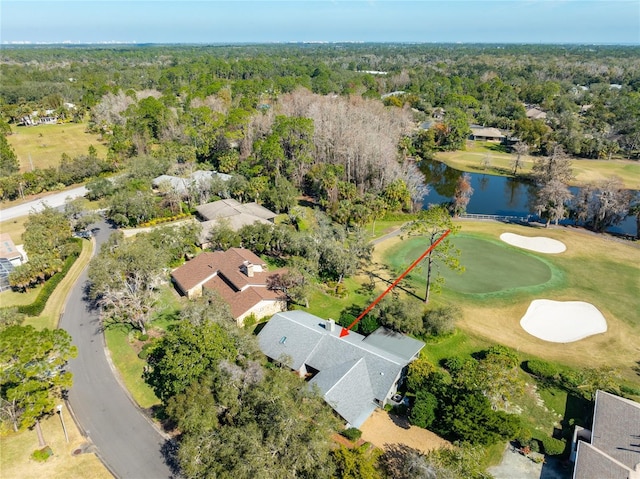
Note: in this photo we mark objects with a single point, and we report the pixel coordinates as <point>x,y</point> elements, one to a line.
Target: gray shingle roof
<point>616,428</point>
<point>347,389</point>
<point>594,464</point>
<point>394,342</point>
<point>614,451</point>
<point>353,374</point>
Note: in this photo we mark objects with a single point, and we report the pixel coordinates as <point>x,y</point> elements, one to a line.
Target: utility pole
<point>64,428</point>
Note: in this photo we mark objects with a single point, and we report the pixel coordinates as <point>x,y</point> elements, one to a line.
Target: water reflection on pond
<point>492,195</point>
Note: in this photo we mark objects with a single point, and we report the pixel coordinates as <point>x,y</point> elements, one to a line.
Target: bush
<point>43,454</point>
<point>441,321</point>
<point>146,350</point>
<point>143,337</point>
<point>353,434</point>
<point>541,369</point>
<point>552,446</point>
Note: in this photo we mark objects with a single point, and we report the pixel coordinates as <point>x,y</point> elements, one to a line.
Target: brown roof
<point>8,249</point>
<point>225,272</point>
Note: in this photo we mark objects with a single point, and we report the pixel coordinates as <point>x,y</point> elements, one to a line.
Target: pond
<point>494,195</point>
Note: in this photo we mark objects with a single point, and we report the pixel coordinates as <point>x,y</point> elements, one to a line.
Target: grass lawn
<point>325,305</point>
<point>45,144</point>
<point>594,268</point>
<point>120,342</point>
<point>15,228</point>
<point>584,171</point>
<point>16,450</point>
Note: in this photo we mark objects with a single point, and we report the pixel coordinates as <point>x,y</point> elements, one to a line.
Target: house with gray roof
<point>355,374</point>
<point>233,213</point>
<point>611,449</point>
<point>181,185</point>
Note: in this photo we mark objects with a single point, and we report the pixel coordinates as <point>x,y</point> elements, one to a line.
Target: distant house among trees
<point>238,276</point>
<point>355,374</point>
<point>182,185</point>
<point>480,133</point>
<point>534,113</point>
<point>612,447</point>
<point>234,213</point>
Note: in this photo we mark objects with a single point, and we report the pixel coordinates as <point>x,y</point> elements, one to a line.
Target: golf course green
<point>490,267</point>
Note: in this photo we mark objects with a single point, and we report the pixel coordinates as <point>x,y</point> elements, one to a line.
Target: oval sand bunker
<point>539,244</point>
<point>562,321</point>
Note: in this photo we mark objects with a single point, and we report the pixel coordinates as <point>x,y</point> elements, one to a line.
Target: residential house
<point>611,449</point>
<point>181,185</point>
<point>234,213</point>
<point>9,251</point>
<point>534,113</point>
<point>355,374</point>
<point>480,133</point>
<point>238,276</point>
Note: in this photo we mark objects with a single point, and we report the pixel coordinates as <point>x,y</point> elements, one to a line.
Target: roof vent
<point>283,339</point>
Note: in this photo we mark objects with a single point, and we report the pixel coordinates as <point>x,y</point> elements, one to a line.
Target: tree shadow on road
<point>169,451</point>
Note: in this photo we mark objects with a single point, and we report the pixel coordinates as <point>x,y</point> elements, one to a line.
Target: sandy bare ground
<point>384,430</point>
<point>563,321</point>
<point>539,244</point>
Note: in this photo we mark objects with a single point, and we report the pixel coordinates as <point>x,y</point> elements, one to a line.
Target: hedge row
<point>166,219</point>
<point>35,308</point>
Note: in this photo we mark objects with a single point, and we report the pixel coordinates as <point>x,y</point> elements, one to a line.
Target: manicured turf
<point>489,266</point>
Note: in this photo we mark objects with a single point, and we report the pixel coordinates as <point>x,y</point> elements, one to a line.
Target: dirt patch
<point>384,430</point>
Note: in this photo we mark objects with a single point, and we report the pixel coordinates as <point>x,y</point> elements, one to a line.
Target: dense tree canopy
<point>33,379</point>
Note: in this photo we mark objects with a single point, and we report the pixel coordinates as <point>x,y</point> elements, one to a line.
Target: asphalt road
<point>54,200</point>
<point>127,442</point>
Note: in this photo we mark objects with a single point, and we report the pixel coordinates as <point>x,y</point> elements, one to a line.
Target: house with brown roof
<point>232,212</point>
<point>611,449</point>
<point>9,251</point>
<point>534,113</point>
<point>481,133</point>
<point>239,276</point>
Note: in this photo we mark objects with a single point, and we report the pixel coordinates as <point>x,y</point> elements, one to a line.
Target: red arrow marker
<point>345,331</point>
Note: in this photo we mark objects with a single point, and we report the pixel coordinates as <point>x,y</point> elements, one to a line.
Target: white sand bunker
<point>562,321</point>
<point>539,244</point>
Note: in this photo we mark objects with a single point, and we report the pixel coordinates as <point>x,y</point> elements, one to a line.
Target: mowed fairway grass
<point>595,269</point>
<point>45,144</point>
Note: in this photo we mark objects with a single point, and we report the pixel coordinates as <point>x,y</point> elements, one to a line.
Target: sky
<point>268,21</point>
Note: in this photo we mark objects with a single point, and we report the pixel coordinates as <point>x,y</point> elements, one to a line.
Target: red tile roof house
<point>238,275</point>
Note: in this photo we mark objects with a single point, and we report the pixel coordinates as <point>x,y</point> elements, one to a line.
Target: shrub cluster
<point>166,219</point>
<point>43,454</point>
<point>35,308</point>
<point>541,369</point>
<point>352,433</point>
<point>552,446</point>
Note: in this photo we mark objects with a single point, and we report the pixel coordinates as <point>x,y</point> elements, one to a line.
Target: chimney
<point>331,325</point>
<point>248,269</point>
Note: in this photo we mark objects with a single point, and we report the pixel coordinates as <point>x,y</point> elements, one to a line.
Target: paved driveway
<point>127,442</point>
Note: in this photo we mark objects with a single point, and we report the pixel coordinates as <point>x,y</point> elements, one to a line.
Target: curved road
<point>127,442</point>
